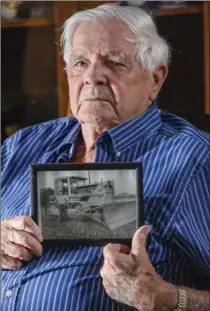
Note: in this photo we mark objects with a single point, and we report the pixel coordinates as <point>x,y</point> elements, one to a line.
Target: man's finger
<point>116,259</point>
<point>139,240</point>
<point>17,251</point>
<point>104,268</point>
<point>25,223</point>
<point>108,272</point>
<point>109,249</point>
<point>10,263</point>
<point>115,248</point>
<point>112,252</point>
<point>25,239</point>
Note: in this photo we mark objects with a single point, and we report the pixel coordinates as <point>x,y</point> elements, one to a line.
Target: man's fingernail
<point>39,254</point>
<point>148,228</point>
<point>40,238</point>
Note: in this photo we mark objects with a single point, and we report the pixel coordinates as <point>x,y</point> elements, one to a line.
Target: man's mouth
<point>97,99</point>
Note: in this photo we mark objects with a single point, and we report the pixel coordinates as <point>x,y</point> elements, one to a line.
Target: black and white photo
<point>90,203</point>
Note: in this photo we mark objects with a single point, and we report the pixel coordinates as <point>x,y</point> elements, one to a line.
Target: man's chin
<point>93,119</point>
<point>96,113</point>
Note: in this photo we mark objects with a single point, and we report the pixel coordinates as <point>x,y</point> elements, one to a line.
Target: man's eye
<point>80,64</point>
<point>117,64</point>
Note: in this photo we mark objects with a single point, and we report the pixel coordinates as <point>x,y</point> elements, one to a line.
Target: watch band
<point>182,300</point>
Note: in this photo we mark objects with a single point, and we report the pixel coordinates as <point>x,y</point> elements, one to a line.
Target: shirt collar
<point>123,136</point>
<point>71,137</point>
<point>66,138</point>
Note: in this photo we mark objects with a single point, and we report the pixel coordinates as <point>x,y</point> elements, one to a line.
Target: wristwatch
<point>182,300</point>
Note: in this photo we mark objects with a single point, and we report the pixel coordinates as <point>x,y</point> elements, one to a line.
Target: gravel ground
<point>53,229</point>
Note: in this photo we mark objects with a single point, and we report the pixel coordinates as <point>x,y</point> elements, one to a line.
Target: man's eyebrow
<point>112,55</point>
<point>116,55</point>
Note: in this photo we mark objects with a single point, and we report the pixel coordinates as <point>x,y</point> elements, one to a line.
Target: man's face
<point>106,84</point>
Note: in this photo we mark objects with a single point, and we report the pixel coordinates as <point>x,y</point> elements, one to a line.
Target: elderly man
<point>116,64</point>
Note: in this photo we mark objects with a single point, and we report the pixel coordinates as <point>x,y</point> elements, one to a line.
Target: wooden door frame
<point>62,11</point>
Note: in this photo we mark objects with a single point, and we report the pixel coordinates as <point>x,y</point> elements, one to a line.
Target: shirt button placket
<point>10,299</point>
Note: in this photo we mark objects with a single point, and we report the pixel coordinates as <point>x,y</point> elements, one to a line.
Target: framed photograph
<point>93,203</point>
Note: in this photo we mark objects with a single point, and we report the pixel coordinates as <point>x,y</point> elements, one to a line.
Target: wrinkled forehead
<point>112,54</point>
<point>104,36</point>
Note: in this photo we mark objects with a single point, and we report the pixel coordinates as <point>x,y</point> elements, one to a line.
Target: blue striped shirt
<point>175,157</point>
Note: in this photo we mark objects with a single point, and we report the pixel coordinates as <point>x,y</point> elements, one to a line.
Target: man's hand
<point>129,277</point>
<point>20,240</point>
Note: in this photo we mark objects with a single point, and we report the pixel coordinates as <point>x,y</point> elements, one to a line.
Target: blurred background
<point>34,86</point>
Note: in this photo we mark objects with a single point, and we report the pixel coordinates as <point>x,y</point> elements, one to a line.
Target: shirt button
<point>118,153</point>
<point>8,293</point>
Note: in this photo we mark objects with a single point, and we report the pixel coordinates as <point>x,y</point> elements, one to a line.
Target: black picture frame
<point>79,204</point>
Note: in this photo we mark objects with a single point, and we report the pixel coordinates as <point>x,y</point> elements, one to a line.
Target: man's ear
<point>159,76</point>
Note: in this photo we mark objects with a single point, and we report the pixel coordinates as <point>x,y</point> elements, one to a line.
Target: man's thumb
<point>139,240</point>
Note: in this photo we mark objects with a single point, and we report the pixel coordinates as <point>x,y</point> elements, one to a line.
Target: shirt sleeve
<point>6,150</point>
<point>193,233</point>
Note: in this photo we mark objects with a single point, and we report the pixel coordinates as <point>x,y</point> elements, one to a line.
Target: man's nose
<point>95,75</point>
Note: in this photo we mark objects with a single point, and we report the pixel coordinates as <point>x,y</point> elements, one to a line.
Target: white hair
<point>151,49</point>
